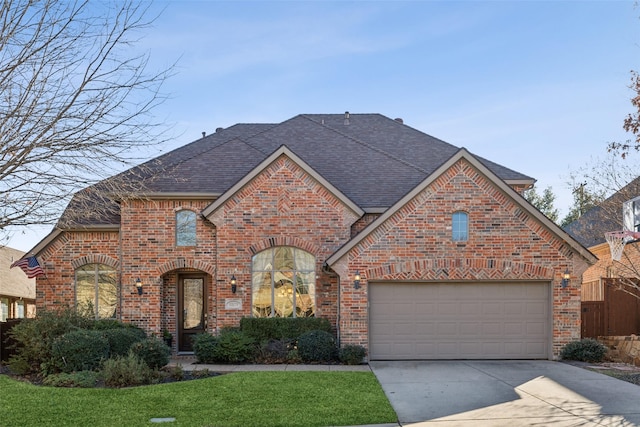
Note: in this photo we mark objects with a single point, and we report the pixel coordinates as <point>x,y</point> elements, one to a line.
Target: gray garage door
<point>413,321</point>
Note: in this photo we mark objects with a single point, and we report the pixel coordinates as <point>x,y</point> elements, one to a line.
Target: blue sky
<point>537,86</point>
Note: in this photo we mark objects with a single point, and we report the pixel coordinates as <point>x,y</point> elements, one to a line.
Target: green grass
<point>240,399</point>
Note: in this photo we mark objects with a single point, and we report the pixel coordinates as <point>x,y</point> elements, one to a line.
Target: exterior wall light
<point>234,284</point>
<point>565,278</point>
<point>356,280</point>
<point>139,286</point>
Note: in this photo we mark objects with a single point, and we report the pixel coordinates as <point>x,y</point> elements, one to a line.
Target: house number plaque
<point>233,304</point>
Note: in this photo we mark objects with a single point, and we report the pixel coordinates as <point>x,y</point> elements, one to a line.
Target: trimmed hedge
<point>279,328</point>
<point>152,351</point>
<point>317,346</point>
<point>204,348</point>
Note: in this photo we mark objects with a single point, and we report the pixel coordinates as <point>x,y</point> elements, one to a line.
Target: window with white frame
<point>97,290</point>
<point>460,226</point>
<point>631,214</point>
<point>20,309</point>
<point>4,309</point>
<point>283,283</point>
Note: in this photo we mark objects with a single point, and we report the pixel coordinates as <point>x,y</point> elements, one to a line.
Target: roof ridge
<point>358,141</point>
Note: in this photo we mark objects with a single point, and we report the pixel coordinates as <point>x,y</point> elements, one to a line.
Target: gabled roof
<point>370,159</point>
<point>476,163</point>
<point>590,228</point>
<point>13,281</point>
<point>282,151</point>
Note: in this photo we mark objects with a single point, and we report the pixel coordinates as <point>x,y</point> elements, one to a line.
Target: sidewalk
<point>189,364</point>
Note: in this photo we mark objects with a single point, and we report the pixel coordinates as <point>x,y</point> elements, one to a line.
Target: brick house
<point>607,292</point>
<point>410,246</point>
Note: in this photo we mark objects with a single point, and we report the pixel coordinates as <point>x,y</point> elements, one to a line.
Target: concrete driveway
<point>506,393</point>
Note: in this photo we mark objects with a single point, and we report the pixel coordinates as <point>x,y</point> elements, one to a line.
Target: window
<point>185,228</point>
<point>283,283</point>
<point>4,309</point>
<point>460,227</point>
<point>20,309</point>
<point>97,290</point>
<point>631,214</point>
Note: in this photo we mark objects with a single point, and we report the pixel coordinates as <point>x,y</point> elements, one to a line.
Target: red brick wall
<point>282,206</point>
<point>505,243</point>
<point>72,249</point>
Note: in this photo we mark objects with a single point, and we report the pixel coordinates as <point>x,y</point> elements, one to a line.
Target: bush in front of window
<point>204,348</point>
<point>585,350</point>
<point>79,350</point>
<point>263,329</point>
<point>276,351</point>
<point>234,347</point>
<point>121,339</point>
<point>351,354</point>
<point>152,351</point>
<point>317,347</point>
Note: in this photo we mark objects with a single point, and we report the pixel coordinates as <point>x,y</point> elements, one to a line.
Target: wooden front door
<point>192,309</point>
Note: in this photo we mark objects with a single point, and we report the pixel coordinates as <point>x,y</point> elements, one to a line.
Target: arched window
<point>284,283</point>
<point>185,228</point>
<point>97,290</point>
<point>460,227</point>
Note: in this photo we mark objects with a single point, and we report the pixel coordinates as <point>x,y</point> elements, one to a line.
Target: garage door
<point>413,321</point>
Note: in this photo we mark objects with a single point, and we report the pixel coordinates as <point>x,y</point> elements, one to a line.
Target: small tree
<point>544,203</point>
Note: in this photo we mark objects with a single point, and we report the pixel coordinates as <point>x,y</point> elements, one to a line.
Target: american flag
<point>30,266</point>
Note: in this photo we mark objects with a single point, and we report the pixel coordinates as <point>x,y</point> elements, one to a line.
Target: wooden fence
<point>617,315</point>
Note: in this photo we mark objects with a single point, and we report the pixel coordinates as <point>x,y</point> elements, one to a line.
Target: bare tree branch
<point>75,103</point>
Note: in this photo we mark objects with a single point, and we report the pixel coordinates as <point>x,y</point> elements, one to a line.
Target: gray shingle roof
<point>373,160</point>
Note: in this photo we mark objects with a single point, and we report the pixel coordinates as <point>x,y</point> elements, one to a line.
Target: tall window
<point>284,283</point>
<point>185,228</point>
<point>97,290</point>
<point>4,309</point>
<point>20,309</point>
<point>460,227</point>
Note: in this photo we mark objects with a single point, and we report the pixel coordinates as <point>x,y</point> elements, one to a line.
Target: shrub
<point>204,348</point>
<point>19,366</point>
<point>126,371</point>
<point>352,354</point>
<point>234,347</point>
<point>121,339</point>
<point>263,329</point>
<point>276,351</point>
<point>585,350</point>
<point>317,346</point>
<point>34,337</point>
<point>80,350</point>
<point>152,351</point>
<point>82,379</point>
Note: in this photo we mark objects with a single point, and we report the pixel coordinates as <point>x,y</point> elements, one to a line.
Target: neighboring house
<point>17,292</point>
<point>609,304</point>
<point>410,246</point>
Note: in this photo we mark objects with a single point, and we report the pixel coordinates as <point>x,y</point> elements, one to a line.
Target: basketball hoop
<point>617,240</point>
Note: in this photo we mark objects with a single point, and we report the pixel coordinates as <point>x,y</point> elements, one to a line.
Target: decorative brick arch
<point>459,269</point>
<point>95,259</point>
<point>272,242</point>
<point>180,263</point>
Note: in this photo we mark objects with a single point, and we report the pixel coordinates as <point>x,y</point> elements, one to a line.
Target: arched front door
<point>192,309</point>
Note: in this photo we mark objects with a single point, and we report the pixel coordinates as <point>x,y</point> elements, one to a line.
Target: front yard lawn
<point>240,399</point>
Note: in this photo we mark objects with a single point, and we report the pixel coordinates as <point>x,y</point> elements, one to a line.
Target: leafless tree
<point>75,103</point>
<point>631,122</point>
<point>619,180</point>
